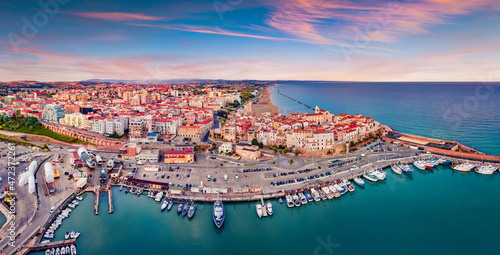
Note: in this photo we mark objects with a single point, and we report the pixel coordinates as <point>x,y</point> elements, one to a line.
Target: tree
<point>255,142</point>
<point>296,152</point>
<point>275,149</point>
<point>290,161</point>
<point>261,145</point>
<point>286,150</point>
<point>45,147</point>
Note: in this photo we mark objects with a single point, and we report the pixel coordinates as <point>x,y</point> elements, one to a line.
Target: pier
<point>110,199</point>
<point>40,247</point>
<point>264,210</point>
<point>96,202</point>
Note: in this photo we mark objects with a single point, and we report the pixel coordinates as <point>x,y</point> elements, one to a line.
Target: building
<point>53,113</point>
<point>77,120</point>
<point>225,148</point>
<point>179,156</point>
<point>148,156</point>
<point>248,151</point>
<point>137,129</point>
<point>193,133</point>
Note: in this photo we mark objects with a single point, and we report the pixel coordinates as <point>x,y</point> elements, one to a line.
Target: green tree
<point>255,142</point>
<point>296,152</point>
<point>45,147</point>
<point>286,150</point>
<point>261,145</point>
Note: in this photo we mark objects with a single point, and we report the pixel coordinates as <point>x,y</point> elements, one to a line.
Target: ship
<point>192,210</point>
<point>218,213</point>
<point>99,160</point>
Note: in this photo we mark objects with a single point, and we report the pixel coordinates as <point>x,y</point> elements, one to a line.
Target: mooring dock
<point>41,247</point>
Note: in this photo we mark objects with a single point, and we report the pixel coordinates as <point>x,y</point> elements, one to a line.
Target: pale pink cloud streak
<point>117,16</point>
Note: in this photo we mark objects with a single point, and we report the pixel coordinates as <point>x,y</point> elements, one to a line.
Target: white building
<point>225,148</point>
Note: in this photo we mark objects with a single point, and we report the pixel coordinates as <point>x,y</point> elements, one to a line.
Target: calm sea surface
<point>439,212</point>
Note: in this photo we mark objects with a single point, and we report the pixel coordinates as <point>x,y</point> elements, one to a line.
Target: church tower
<point>316,109</point>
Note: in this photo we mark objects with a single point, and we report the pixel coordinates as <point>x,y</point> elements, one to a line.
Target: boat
<point>259,210</point>
<point>218,213</point>
<point>66,236</point>
<point>406,169</point>
<point>334,192</point>
<point>444,161</point>
<point>350,186</point>
<point>47,252</point>
<point>327,193</point>
<point>52,251</point>
<point>429,164</point>
<point>169,206</point>
<point>63,251</point>
<point>308,196</point>
<point>289,201</point>
<point>121,187</point>
<point>90,163</point>
<point>380,174</point>
<point>111,164</point>
<point>57,251</point>
<point>159,196</point>
<point>359,181</point>
<point>396,169</point>
<point>322,194</point>
<point>464,167</point>
<point>126,190</point>
<point>185,210</point>
<point>99,160</point>
<point>179,208</point>
<point>340,188</point>
<point>296,200</point>
<point>79,198</point>
<point>77,234</point>
<point>370,176</point>
<point>192,210</point>
<point>280,200</point>
<point>303,199</point>
<point>483,169</point>
<point>164,205</point>
<point>315,195</point>
<point>73,249</point>
<point>269,208</point>
<point>420,165</point>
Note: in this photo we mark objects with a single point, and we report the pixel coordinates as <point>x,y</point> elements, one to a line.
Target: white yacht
<point>315,195</point>
<point>164,205</point>
<point>269,208</point>
<point>396,169</point>
<point>259,210</point>
<point>419,164</point>
<point>483,169</point>
<point>380,174</point>
<point>464,167</point>
<point>303,199</point>
<point>289,201</point>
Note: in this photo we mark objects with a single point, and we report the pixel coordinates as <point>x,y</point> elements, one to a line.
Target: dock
<point>41,247</point>
<point>264,210</point>
<point>96,202</point>
<point>110,199</point>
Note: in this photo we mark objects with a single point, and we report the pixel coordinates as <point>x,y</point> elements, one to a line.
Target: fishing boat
<point>179,208</point>
<point>63,251</point>
<point>218,213</point>
<point>380,174</point>
<point>66,236</point>
<point>126,190</point>
<point>57,251</point>
<point>406,169</point>
<point>429,164</point>
<point>258,207</point>
<point>322,193</point>
<point>328,192</point>
<point>396,169</point>
<point>52,251</point>
<point>72,234</point>
<point>464,167</point>
<point>192,210</point>
<point>99,160</point>
<point>169,206</point>
<point>269,208</point>
<point>296,200</point>
<point>73,249</point>
<point>77,234</point>
<point>419,164</point>
<point>159,196</point>
<point>303,199</point>
<point>164,205</point>
<point>308,196</point>
<point>350,186</point>
<point>111,164</point>
<point>289,201</point>
<point>359,181</point>
<point>483,169</point>
<point>444,161</point>
<point>315,195</point>
<point>47,252</point>
<point>280,200</point>
<point>185,210</point>
<point>67,250</point>
<point>334,191</point>
<point>340,189</point>
<point>370,176</point>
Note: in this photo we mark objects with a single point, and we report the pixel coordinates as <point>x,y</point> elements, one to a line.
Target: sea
<point>431,212</point>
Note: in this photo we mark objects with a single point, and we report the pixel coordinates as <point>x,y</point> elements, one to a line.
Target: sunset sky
<point>337,40</point>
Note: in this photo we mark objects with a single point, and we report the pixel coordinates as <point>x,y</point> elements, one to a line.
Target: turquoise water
<point>443,212</point>
<point>438,212</point>
<point>465,112</point>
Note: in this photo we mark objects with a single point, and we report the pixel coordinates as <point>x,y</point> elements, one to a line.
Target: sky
<point>334,40</point>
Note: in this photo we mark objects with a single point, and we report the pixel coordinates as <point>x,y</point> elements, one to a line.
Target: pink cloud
<point>331,21</point>
<point>116,16</point>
